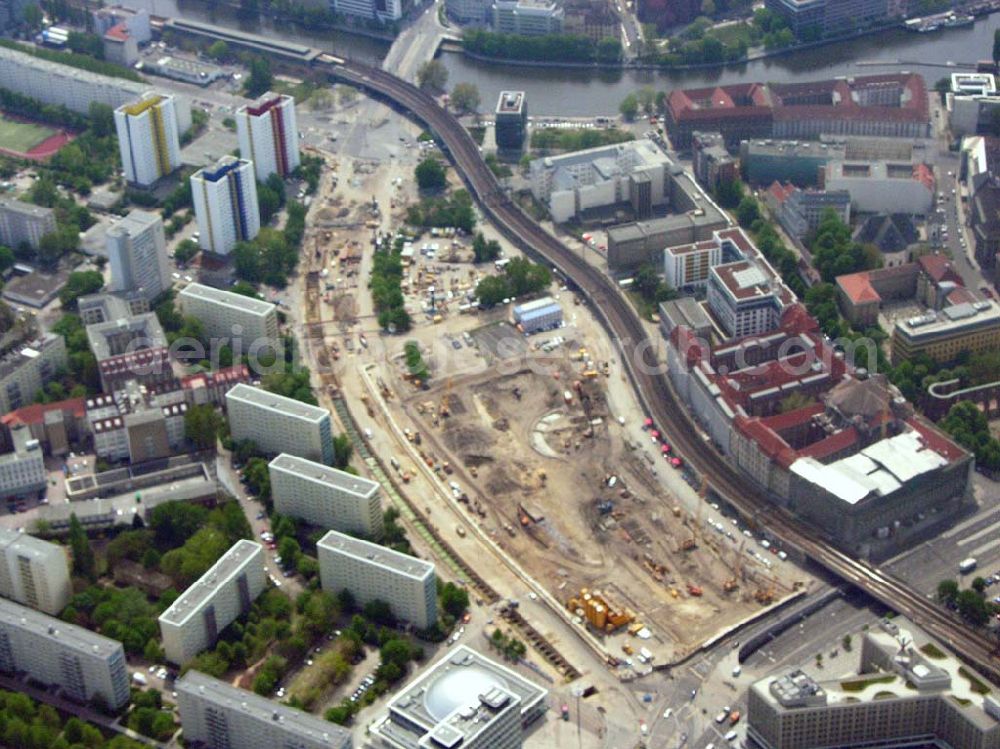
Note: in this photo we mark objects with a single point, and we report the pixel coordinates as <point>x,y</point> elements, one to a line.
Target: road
<point>652,386</point>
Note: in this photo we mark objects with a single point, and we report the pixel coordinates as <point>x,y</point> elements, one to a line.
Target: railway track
<point>652,387</point>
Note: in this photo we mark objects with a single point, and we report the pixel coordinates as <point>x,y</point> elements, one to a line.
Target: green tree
<point>483,250</point>
<point>947,592</point>
<point>186,250</point>
<point>748,211</point>
<point>430,174</point>
<point>433,76</point>
<point>454,599</point>
<point>729,193</point>
<point>33,16</point>
<point>343,448</point>
<point>492,290</point>
<point>201,426</point>
<point>629,107</point>
<point>218,50</point>
<point>84,563</point>
<point>465,98</point>
<point>972,608</point>
<point>80,284</point>
<point>979,584</point>
<point>260,79</point>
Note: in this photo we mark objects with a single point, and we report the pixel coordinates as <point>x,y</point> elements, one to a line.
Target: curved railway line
<point>654,391</point>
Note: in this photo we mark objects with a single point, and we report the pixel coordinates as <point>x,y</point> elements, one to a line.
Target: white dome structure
<point>459,688</point>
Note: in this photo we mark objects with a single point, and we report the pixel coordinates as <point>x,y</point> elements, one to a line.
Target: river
<point>580,92</point>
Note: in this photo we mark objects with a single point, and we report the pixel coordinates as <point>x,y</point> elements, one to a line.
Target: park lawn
<point>22,136</point>
<point>732,33</point>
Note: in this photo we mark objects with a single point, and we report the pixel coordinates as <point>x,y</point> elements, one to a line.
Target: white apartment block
<point>326,497</point>
<point>744,298</point>
<point>84,665</point>
<point>268,135</point>
<point>689,264</point>
<point>34,572</point>
<point>25,370</point>
<point>217,715</point>
<point>24,223</point>
<point>149,138</point>
<point>279,424</point>
<point>636,172</point>
<point>249,325</point>
<point>225,204</point>
<point>213,602</point>
<point>137,249</point>
<point>54,83</point>
<point>22,471</point>
<point>372,572</point>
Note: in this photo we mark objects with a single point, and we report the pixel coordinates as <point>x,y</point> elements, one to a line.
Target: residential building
<point>225,204</point>
<point>148,138</point>
<point>372,572</point>
<point>54,83</point>
<point>135,21</point>
<point>527,17</point>
<point>57,426</point>
<point>713,165</point>
<point>326,497</point>
<point>891,105</point>
<point>800,211</point>
<point>22,223</point>
<point>246,324</point>
<point>538,315</point>
<point>511,118</point>
<point>120,46</point>
<point>883,186</point>
<point>972,328</point>
<point>745,298</point>
<point>385,11</point>
<point>985,221</point>
<point>465,699</point>
<point>25,369</point>
<point>132,347</point>
<point>635,172</point>
<point>138,423</point>
<point>470,12</point>
<point>269,135</point>
<point>690,264</point>
<point>34,572</point>
<point>22,468</point>
<point>219,597</point>
<point>137,250</point>
<point>908,692</point>
<point>813,19</point>
<point>594,20</point>
<point>280,425</point>
<point>972,103</point>
<point>82,665</point>
<point>216,715</point>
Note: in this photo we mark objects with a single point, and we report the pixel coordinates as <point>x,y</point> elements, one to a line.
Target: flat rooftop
<point>227,299</point>
<point>135,222</point>
<point>199,593</point>
<point>402,564</point>
<point>455,698</point>
<point>83,641</point>
<point>262,709</point>
<point>510,102</point>
<point>277,403</point>
<point>324,475</point>
<point>27,545</point>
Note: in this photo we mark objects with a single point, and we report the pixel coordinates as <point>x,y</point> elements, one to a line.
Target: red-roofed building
<point>120,46</point>
<point>57,426</point>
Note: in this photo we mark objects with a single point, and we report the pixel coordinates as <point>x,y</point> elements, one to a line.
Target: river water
<point>580,92</point>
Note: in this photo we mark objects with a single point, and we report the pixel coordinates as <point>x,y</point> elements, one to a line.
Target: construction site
<point>532,454</point>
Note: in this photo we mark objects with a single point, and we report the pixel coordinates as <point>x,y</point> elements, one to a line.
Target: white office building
<point>34,572</point>
<point>689,264</point>
<point>466,700</point>
<point>148,138</point>
<point>528,17</point>
<point>636,172</point>
<point>217,715</point>
<point>25,370</point>
<point>24,222</point>
<point>251,324</point>
<point>268,135</point>
<point>84,665</point>
<point>279,424</point>
<point>225,204</point>
<point>326,497</point>
<point>137,250</point>
<point>372,572</point>
<point>54,83</point>
<point>211,604</point>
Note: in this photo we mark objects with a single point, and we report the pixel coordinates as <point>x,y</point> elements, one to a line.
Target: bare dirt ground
<point>544,491</point>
